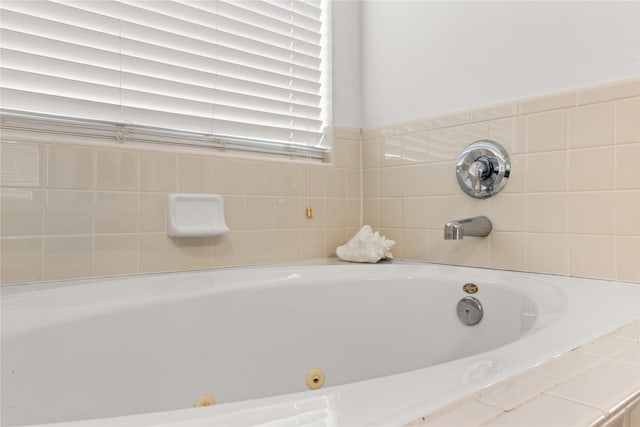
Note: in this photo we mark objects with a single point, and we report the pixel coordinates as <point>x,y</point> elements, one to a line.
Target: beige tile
<point>591,125</point>
<point>627,213</point>
<point>510,133</point>
<point>259,178</point>
<point>195,253</point>
<point>22,164</point>
<point>628,120</point>
<point>311,244</point>
<point>609,90</point>
<point>117,170</point>
<point>68,212</point>
<point>508,251</point>
<point>320,215</point>
<point>608,346</point>
<point>547,213</point>
<point>442,179</point>
<point>370,154</point>
<point>235,212</point>
<point>370,212</point>
<point>370,183</point>
<point>414,147</point>
<point>414,244</point>
<point>570,364</point>
<point>443,209</point>
<point>334,237</point>
<point>390,182</point>
<point>229,176</point>
<point>338,152</point>
<point>353,213</point>
<point>443,145</point>
<point>259,247</point>
<point>546,172</point>
<point>68,257</point>
<point>354,183</point>
<point>510,394</point>
<point>415,212</point>
<point>21,212</point>
<point>603,387</point>
<point>470,414</point>
<point>592,256</point>
<point>287,179</point>
<point>627,256</point>
<point>414,180</point>
<point>229,250</point>
<point>449,120</point>
<point>390,211</point>
<point>347,133</point>
<point>116,254</point>
<point>471,133</point>
<point>152,212</point>
<point>157,172</point>
<point>591,169</point>
<point>474,252</point>
<point>288,212</point>
<point>286,245</point>
<point>336,182</point>
<point>312,181</point>
<point>438,249</point>
<point>631,355</point>
<point>547,253</point>
<point>548,102</point>
<point>630,331</point>
<point>353,152</point>
<point>116,212</point>
<point>259,213</point>
<point>195,174</point>
<point>411,126</point>
<point>156,253</point>
<point>546,131</point>
<point>591,213</point>
<point>509,212</point>
<point>21,259</point>
<point>627,172</point>
<point>389,151</point>
<point>70,167</point>
<point>547,410</point>
<point>336,212</point>
<point>496,111</point>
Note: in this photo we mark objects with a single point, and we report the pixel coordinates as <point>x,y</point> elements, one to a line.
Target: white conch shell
<point>365,246</point>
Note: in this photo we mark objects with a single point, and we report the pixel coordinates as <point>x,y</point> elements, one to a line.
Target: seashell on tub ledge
<point>366,246</point>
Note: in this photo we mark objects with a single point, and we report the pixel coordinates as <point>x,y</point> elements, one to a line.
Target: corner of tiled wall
<point>572,204</point>
<point>84,209</point>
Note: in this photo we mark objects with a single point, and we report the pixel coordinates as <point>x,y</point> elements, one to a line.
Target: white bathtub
<point>138,351</point>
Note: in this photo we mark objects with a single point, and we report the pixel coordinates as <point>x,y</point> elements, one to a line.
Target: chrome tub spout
<point>478,226</point>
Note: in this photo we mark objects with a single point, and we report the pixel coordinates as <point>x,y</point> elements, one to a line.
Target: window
<point>244,74</point>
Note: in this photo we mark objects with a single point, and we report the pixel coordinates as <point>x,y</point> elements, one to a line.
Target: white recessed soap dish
<point>195,215</point>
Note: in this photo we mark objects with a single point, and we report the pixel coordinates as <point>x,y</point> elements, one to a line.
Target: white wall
<point>347,76</point>
<point>423,58</point>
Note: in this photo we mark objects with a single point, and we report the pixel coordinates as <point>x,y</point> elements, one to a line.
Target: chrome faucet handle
<point>483,169</point>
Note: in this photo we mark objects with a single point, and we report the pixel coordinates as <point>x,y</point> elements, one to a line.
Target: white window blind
<point>240,74</point>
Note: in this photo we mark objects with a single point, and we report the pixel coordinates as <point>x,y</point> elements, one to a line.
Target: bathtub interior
<point>153,344</point>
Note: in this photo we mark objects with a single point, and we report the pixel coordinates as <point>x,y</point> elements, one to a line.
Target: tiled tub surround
<point>71,210</point>
<point>597,384</point>
<point>571,206</point>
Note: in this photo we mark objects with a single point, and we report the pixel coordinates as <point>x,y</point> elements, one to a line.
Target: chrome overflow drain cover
<point>469,311</point>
